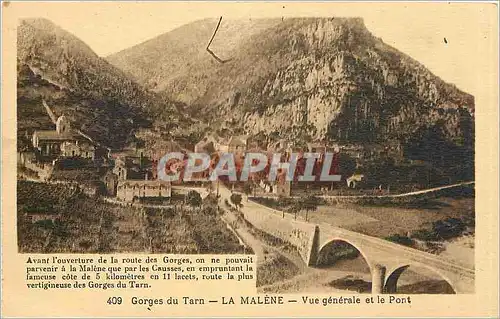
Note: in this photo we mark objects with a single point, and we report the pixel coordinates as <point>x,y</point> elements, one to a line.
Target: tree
<point>236,199</point>
<point>193,199</point>
<point>294,209</point>
<point>210,200</point>
<point>308,203</point>
<point>347,165</point>
<point>247,189</point>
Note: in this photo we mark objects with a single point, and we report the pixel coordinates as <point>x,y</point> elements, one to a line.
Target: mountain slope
<point>176,61</point>
<point>328,73</point>
<point>309,79</point>
<point>101,100</point>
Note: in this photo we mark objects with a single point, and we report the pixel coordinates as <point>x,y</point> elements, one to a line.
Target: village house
<point>206,145</point>
<point>111,183</point>
<point>316,148</point>
<point>132,163</point>
<point>214,143</point>
<point>283,188</point>
<point>125,168</point>
<point>62,142</point>
<point>354,151</point>
<point>76,148</point>
<point>279,188</point>
<point>26,157</point>
<point>121,169</point>
<point>238,144</point>
<point>133,155</point>
<point>222,144</point>
<point>130,190</point>
<point>161,148</point>
<point>355,180</point>
<point>278,146</point>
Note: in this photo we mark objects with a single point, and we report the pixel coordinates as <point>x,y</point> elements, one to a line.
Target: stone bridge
<point>386,260</point>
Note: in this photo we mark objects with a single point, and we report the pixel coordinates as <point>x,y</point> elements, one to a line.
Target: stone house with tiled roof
<point>62,142</point>
<point>130,190</point>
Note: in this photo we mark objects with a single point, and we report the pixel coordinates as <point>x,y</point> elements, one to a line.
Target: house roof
<point>224,140</point>
<point>54,136</point>
<point>110,173</point>
<point>316,145</point>
<point>87,147</point>
<point>238,140</point>
<point>207,147</point>
<point>132,182</point>
<point>126,153</point>
<point>82,146</point>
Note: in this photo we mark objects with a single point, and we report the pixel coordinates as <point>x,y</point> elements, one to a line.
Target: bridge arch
<point>394,275</point>
<point>326,247</point>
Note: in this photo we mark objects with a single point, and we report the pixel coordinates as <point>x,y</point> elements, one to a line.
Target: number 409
<point>115,300</point>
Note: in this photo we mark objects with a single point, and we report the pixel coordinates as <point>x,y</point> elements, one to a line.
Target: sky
<point>417,29</point>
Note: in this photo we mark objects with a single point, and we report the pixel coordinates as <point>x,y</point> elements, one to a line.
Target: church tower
<point>62,125</point>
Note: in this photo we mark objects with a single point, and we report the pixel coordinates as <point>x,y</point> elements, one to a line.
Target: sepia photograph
<point>318,146</point>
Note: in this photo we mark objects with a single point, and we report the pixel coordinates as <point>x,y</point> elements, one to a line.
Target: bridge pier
<point>378,279</point>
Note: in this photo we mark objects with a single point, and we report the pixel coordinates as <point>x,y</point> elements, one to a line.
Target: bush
<point>449,228</point>
<point>60,229</point>
<point>236,199</point>
<point>193,198</point>
<point>336,251</point>
<point>210,200</point>
<point>45,223</point>
<point>209,210</point>
<point>425,235</point>
<point>402,240</point>
<point>352,284</point>
<point>276,270</point>
<point>85,244</point>
<point>445,229</point>
<point>38,207</point>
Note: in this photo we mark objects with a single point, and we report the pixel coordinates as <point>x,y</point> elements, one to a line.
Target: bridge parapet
<point>283,225</point>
